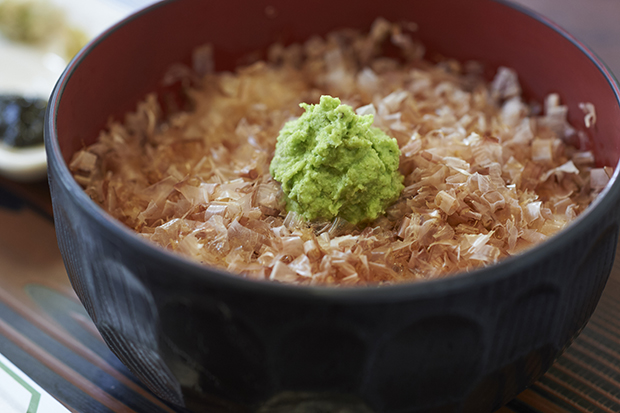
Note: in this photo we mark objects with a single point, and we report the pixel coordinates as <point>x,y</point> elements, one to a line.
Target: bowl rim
<point>367,294</point>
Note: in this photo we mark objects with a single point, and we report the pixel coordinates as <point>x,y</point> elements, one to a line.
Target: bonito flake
<point>486,175</point>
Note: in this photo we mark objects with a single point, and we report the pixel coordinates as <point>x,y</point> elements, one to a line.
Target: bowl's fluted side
<point>215,342</point>
<point>192,339</point>
<point>120,306</point>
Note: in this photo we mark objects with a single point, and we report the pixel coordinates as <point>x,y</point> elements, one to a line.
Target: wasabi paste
<point>332,162</point>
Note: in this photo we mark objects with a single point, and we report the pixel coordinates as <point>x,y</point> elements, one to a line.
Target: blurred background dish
<point>37,40</point>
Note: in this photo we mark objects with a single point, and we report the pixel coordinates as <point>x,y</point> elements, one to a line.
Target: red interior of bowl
<point>128,62</point>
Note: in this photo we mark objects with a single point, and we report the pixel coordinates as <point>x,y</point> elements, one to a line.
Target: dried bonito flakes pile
<point>486,174</point>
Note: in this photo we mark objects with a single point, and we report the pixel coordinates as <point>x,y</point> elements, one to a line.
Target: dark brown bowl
<point>212,341</point>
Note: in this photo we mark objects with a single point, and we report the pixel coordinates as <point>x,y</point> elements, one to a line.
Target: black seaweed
<point>21,120</point>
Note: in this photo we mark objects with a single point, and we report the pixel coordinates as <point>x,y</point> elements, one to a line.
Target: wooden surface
<point>45,331</point>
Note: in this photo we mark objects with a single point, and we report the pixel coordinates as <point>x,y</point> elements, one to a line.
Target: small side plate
<point>32,71</point>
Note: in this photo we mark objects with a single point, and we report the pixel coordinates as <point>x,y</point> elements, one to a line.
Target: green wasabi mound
<point>332,162</point>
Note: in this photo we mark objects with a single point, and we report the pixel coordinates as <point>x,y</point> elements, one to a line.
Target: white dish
<point>32,71</point>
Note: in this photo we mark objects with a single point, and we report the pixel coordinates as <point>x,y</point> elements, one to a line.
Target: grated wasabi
<point>334,163</point>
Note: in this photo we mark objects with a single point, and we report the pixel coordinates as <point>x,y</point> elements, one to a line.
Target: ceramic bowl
<point>211,341</point>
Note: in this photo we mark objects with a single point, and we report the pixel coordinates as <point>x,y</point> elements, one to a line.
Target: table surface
<point>45,331</point>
